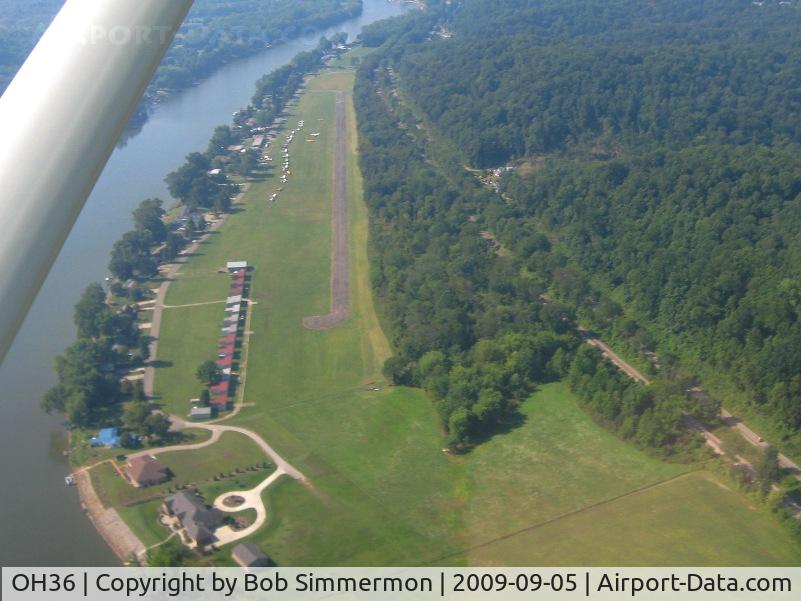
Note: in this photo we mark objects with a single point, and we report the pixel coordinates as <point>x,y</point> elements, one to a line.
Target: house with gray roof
<point>199,521</point>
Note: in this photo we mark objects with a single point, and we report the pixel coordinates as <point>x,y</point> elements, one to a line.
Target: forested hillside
<point>729,73</point>
<point>652,182</point>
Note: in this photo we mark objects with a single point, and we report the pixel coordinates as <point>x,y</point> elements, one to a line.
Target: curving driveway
<point>217,431</point>
<point>253,500</point>
<point>252,497</point>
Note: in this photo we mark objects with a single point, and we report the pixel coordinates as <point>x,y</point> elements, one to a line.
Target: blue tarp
<point>107,437</point>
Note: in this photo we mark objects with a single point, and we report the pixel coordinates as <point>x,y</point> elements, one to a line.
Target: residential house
<point>198,520</point>
<point>146,470</point>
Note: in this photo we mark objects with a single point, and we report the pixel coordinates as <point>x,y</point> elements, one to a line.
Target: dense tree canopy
<point>652,191</point>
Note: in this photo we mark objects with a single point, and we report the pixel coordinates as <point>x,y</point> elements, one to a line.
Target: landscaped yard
<point>82,453</point>
<point>190,468</point>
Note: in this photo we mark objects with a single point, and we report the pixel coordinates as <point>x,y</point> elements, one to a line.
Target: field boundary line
<point>538,525</point>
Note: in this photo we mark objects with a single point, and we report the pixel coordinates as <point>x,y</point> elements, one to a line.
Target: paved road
<point>169,272</point>
<point>340,284</point>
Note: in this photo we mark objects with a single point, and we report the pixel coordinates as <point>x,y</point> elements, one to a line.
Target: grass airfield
<point>557,490</point>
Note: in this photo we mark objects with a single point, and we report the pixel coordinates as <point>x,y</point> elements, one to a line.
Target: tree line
<point>468,319</point>
<point>216,33</point>
<point>654,187</point>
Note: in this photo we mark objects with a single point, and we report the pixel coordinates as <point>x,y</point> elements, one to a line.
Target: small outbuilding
<point>201,413</point>
<point>237,265</point>
<point>249,555</point>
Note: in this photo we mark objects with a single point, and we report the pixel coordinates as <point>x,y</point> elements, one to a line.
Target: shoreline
<point>108,523</point>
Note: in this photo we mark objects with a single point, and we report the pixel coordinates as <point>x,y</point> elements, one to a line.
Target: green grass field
<point>142,519</point>
<point>386,493</point>
<point>691,521</point>
<point>557,438</point>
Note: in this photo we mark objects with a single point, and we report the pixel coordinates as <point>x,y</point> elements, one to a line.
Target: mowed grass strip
<point>693,520</point>
<point>387,493</point>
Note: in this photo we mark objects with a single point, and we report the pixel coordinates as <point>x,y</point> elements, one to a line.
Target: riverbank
<point>107,521</point>
<point>180,125</point>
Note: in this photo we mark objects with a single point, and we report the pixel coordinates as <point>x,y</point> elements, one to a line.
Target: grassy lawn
<point>142,519</point>
<point>386,489</point>
<point>190,468</point>
<point>691,521</point>
<point>176,382</point>
<point>385,492</point>
<point>82,453</point>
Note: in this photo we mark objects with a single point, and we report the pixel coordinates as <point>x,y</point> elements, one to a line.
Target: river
<point>42,523</point>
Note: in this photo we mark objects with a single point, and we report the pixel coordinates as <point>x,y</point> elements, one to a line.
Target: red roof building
<point>221,388</point>
<point>227,343</point>
<point>220,402</point>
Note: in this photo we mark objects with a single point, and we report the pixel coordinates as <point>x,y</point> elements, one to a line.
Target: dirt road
<point>712,440</point>
<point>629,370</point>
<point>756,440</point>
<point>340,284</point>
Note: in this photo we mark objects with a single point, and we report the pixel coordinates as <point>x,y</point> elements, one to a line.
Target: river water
<point>42,523</point>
